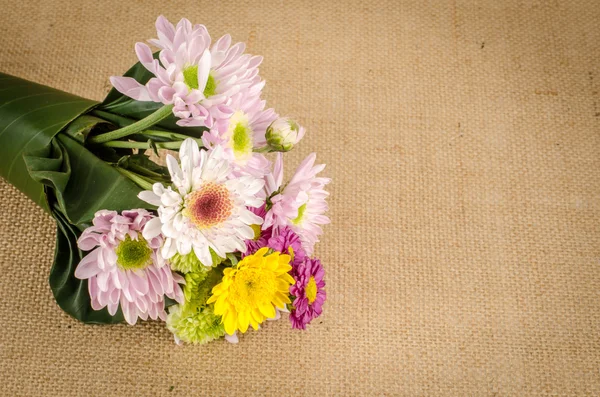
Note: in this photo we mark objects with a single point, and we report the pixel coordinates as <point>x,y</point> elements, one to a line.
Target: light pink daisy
<point>198,80</point>
<point>244,132</point>
<point>124,269</point>
<point>301,203</point>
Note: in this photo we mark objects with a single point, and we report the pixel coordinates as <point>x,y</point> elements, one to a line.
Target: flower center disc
<point>311,290</point>
<point>296,221</point>
<point>209,206</point>
<point>133,254</point>
<point>190,78</point>
<point>257,229</point>
<point>252,287</point>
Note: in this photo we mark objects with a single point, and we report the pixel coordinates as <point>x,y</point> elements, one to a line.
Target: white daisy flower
<point>206,208</point>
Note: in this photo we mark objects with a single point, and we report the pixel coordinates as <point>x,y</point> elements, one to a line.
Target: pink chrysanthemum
<point>244,132</point>
<point>198,80</point>
<point>123,269</point>
<point>285,240</point>
<point>301,203</point>
<point>308,291</point>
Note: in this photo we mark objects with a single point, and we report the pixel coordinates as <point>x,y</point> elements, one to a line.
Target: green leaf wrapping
<point>42,154</point>
<point>82,184</point>
<point>30,116</point>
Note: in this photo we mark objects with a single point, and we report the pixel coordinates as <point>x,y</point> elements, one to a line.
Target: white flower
<point>208,208</point>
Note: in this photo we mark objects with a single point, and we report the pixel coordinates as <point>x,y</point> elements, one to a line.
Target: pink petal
<point>130,87</point>
<point>144,54</point>
<point>138,282</point>
<point>88,267</point>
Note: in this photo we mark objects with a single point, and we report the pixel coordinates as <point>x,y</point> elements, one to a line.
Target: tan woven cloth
<point>463,259</point>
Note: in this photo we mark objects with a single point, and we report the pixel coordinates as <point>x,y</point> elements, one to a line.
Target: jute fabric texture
<point>463,258</point>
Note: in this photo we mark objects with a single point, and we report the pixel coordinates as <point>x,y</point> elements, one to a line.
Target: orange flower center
<point>208,206</point>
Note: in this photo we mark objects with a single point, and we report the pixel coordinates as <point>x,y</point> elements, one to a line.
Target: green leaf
<point>80,181</point>
<point>30,116</point>
<point>83,125</point>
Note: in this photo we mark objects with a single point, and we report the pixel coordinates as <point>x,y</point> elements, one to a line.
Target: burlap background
<point>464,255</point>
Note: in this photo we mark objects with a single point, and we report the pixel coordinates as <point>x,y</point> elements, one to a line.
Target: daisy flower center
<point>298,219</point>
<point>133,254</point>
<point>252,287</point>
<point>240,136</point>
<point>209,206</point>
<point>211,86</point>
<point>190,78</point>
<point>311,290</point>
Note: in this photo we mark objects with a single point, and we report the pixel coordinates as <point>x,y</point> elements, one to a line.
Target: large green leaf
<point>30,116</point>
<point>80,181</point>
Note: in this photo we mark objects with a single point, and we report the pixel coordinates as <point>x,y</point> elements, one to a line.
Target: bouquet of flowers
<point>212,241</point>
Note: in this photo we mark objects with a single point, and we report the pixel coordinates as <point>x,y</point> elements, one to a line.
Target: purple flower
<point>308,291</point>
<point>284,241</point>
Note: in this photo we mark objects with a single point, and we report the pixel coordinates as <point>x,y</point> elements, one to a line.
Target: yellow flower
<point>250,291</point>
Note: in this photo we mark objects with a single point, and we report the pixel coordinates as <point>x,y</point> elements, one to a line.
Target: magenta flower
<point>285,240</point>
<point>124,269</point>
<point>308,291</point>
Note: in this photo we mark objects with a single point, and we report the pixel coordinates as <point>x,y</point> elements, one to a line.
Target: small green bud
<point>283,134</point>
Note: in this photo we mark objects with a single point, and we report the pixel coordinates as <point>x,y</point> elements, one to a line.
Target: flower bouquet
<point>212,241</point>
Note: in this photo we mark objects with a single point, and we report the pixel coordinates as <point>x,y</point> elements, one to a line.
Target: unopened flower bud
<point>283,134</point>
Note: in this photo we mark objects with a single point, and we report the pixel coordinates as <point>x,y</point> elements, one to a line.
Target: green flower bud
<point>283,134</point>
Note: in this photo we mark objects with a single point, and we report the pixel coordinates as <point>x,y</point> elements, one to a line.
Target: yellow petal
<point>212,299</point>
<point>229,323</point>
<point>266,309</point>
<point>243,320</point>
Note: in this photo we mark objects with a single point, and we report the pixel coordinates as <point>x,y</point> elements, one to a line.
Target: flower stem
<point>165,134</point>
<point>146,172</point>
<point>136,127</point>
<point>137,179</point>
<point>143,145</point>
<point>265,149</point>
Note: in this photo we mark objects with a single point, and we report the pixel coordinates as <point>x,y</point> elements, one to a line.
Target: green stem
<point>165,134</point>
<point>265,149</point>
<point>146,172</point>
<point>136,127</point>
<point>143,145</point>
<point>137,179</point>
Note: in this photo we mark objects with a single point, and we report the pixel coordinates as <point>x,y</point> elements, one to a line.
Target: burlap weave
<point>463,139</point>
